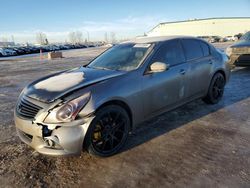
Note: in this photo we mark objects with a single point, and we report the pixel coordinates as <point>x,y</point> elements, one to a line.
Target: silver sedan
<point>94,107</point>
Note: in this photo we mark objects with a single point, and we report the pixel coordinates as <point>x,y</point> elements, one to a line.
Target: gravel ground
<point>197,145</point>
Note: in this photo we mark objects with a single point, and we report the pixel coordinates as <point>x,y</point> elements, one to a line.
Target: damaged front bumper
<point>239,60</point>
<point>53,139</point>
<point>240,57</point>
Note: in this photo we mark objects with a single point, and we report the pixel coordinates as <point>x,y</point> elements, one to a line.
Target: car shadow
<point>236,90</point>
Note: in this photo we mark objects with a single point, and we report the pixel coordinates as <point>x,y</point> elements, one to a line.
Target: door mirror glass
<point>158,67</point>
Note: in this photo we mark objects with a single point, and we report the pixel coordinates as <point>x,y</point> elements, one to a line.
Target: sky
<point>22,19</point>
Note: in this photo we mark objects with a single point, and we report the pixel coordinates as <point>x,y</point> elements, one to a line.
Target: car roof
<point>156,39</point>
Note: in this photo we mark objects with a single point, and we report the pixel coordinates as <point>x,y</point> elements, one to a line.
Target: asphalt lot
<point>197,145</point>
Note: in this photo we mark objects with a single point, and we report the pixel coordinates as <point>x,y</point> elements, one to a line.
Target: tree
<point>79,38</point>
<point>112,37</point>
<point>12,39</point>
<point>75,37</point>
<point>106,37</point>
<point>41,38</point>
<point>5,41</point>
<point>72,37</point>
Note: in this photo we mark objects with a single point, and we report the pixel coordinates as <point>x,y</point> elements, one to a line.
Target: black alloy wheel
<point>108,131</point>
<point>216,89</point>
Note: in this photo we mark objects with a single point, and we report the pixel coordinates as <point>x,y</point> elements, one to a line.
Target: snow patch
<point>61,82</point>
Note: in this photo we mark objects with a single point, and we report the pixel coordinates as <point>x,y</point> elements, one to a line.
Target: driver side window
<point>170,53</point>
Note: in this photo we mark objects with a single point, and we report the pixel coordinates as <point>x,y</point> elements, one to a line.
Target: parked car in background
<point>206,38</point>
<point>108,45</point>
<point>2,52</point>
<point>97,105</point>
<point>214,39</point>
<point>34,49</point>
<point>26,50</point>
<point>239,52</point>
<point>22,50</point>
<point>238,36</point>
<point>229,38</point>
<point>63,47</point>
<point>9,51</point>
<point>19,51</point>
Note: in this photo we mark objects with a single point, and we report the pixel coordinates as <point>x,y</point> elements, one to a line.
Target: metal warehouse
<point>203,27</point>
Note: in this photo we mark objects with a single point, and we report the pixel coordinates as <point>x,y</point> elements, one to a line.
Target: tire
<point>216,89</point>
<point>108,131</point>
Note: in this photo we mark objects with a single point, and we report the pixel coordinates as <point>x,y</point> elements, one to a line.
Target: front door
<point>164,90</point>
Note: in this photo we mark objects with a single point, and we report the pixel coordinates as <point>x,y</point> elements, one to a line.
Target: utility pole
<point>113,37</point>
<point>87,33</point>
<point>106,37</point>
<point>13,39</point>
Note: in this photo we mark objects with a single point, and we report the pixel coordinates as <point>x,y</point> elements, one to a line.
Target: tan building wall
<point>203,27</point>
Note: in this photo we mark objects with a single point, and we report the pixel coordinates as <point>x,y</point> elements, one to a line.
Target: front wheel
<point>108,131</point>
<point>216,89</point>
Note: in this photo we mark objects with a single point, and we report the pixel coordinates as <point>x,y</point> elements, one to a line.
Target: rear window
<point>205,49</point>
<point>192,49</point>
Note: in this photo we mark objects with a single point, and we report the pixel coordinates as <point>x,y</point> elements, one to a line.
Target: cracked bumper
<point>239,60</point>
<point>64,140</point>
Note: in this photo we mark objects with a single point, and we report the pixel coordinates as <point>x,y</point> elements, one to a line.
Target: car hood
<point>241,44</point>
<point>55,86</point>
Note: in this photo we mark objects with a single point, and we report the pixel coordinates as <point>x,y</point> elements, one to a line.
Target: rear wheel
<point>108,131</point>
<point>216,89</point>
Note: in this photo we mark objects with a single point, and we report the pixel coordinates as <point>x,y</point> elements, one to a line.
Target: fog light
<point>51,141</point>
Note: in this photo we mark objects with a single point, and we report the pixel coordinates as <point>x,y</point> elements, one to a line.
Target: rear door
<point>166,89</point>
<point>199,58</point>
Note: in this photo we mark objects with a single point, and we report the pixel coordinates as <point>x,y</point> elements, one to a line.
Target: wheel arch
<point>207,98</point>
<point>222,72</point>
<point>213,74</point>
<point>218,71</point>
<point>122,104</point>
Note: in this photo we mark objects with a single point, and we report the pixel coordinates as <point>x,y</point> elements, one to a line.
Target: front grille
<point>27,109</point>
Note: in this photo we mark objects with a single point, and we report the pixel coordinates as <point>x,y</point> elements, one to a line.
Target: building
<point>203,27</point>
<point>4,44</point>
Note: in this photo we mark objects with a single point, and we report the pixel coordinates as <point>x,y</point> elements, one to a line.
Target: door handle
<point>182,71</point>
<point>210,62</point>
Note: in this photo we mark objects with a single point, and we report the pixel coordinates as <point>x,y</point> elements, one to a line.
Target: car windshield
<point>246,36</point>
<point>125,57</point>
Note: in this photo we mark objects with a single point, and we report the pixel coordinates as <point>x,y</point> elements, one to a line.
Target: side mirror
<point>158,67</point>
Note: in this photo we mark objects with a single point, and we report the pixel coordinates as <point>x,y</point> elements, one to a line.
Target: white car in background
<point>229,38</point>
<point>2,52</point>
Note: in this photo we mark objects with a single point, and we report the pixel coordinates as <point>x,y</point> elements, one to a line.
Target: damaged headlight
<point>229,51</point>
<point>68,111</point>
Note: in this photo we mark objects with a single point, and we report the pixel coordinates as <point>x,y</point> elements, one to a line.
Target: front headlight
<point>229,51</point>
<point>68,111</point>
